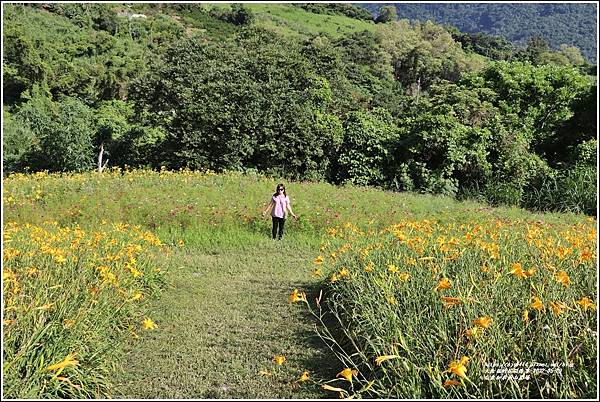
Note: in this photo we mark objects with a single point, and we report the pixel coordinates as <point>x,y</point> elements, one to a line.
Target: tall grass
<point>575,190</point>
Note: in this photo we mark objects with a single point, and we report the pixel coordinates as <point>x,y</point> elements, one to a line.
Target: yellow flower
<point>404,276</point>
<point>392,300</point>
<point>458,367</point>
<point>318,260</point>
<point>32,271</point>
<point>297,296</point>
<point>369,267</point>
<point>381,359</point>
<point>392,268</point>
<point>279,359</point>
<point>517,270</point>
<point>557,307</point>
<point>138,296</point>
<point>304,377</point>
<point>68,361</point>
<point>449,383</point>
<point>317,273</point>
<point>563,278</point>
<point>483,322</point>
<point>68,323</point>
<point>474,332</point>
<point>537,304</point>
<point>149,324</point>
<point>586,303</point>
<point>444,283</point>
<point>344,273</point>
<point>347,374</point>
<point>334,278</point>
<point>61,259</point>
<point>526,315</point>
<point>586,255</point>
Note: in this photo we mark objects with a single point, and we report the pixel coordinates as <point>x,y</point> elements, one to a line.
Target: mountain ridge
<point>558,23</point>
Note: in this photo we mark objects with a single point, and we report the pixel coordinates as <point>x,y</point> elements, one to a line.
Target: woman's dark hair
<point>280,185</point>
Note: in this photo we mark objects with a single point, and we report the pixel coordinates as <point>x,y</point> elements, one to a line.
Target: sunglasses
<point>281,189</point>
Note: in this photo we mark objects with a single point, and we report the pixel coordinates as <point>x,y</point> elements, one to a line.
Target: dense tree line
<point>406,107</point>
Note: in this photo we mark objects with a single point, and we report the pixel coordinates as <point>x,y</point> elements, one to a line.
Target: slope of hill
<point>571,24</point>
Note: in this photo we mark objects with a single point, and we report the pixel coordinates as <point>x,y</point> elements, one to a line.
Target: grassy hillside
<point>294,20</point>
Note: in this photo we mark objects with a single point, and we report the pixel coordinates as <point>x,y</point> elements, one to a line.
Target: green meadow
<point>166,284</point>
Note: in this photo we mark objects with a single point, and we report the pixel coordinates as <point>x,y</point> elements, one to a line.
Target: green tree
<point>250,102</point>
<point>364,153</point>
<point>387,14</point>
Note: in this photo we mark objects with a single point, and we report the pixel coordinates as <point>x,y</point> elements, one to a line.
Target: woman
<point>279,202</point>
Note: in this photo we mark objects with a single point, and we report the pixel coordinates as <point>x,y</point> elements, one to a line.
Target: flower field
<point>68,295</point>
<point>416,296</point>
<point>482,309</point>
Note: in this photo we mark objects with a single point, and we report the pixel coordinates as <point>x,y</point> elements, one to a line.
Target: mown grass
<point>225,313</point>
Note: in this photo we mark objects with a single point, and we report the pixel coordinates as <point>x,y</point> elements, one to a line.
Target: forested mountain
<point>572,24</point>
<point>301,91</point>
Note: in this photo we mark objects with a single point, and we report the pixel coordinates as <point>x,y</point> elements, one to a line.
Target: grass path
<point>221,321</point>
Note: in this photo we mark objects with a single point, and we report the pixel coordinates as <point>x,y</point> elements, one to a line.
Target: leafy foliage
<point>404,105</point>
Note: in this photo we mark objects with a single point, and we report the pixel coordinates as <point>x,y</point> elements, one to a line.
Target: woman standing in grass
<point>279,202</point>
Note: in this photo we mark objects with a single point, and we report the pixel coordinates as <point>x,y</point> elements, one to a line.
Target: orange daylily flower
<point>537,304</point>
<point>296,296</point>
<point>404,276</point>
<point>443,284</point>
<point>557,307</point>
<point>458,367</point>
<point>69,360</point>
<point>347,374</point>
<point>517,270</point>
<point>279,359</point>
<point>474,332</point>
<point>563,278</point>
<point>483,322</point>
<point>586,303</point>
<point>149,324</point>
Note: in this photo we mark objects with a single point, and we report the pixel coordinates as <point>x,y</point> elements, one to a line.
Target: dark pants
<point>278,222</point>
